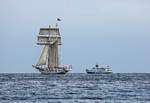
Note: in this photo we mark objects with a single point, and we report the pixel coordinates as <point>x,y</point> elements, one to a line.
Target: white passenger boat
<point>99,70</point>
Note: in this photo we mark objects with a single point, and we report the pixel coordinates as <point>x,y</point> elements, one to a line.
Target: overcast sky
<point>107,32</point>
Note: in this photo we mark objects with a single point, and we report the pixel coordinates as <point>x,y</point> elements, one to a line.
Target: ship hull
<point>97,71</point>
<point>52,72</point>
<point>60,70</point>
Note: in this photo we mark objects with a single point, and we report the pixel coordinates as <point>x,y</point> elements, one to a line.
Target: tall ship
<point>49,60</point>
<point>99,70</point>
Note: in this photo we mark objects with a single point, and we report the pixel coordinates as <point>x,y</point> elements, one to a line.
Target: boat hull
<point>59,70</point>
<point>52,72</point>
<point>97,71</point>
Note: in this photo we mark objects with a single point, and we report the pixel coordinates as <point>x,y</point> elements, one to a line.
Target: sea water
<point>75,88</point>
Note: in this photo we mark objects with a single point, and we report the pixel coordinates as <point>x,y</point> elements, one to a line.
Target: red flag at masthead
<point>58,19</point>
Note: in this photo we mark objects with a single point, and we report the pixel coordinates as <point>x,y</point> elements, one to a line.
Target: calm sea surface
<point>75,88</point>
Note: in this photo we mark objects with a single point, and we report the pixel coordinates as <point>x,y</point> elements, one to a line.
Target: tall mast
<point>56,51</point>
<point>49,49</point>
<point>56,55</point>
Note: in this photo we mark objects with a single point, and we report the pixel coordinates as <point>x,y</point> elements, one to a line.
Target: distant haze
<point>107,32</point>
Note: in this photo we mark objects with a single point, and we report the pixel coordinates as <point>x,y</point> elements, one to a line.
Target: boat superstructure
<point>49,60</point>
<point>99,70</point>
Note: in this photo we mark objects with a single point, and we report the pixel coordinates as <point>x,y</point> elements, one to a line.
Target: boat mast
<point>49,49</point>
<point>56,55</point>
<point>56,51</point>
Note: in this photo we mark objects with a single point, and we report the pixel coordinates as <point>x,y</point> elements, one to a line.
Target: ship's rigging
<point>51,39</point>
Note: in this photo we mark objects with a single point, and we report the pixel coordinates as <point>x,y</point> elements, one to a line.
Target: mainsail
<point>54,55</point>
<point>43,57</point>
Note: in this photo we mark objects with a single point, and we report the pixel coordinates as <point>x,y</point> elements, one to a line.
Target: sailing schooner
<point>49,59</point>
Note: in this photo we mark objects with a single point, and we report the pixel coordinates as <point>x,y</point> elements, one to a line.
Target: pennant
<point>58,19</point>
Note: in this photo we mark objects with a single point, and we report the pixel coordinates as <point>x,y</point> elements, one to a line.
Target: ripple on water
<point>112,88</point>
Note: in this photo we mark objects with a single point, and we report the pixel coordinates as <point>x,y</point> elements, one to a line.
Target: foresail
<point>43,57</point>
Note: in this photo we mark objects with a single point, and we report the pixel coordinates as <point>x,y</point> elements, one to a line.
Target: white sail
<point>43,57</point>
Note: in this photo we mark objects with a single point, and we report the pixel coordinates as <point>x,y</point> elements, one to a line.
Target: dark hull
<point>99,72</point>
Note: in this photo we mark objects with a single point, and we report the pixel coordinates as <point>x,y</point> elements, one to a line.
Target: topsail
<point>43,57</point>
